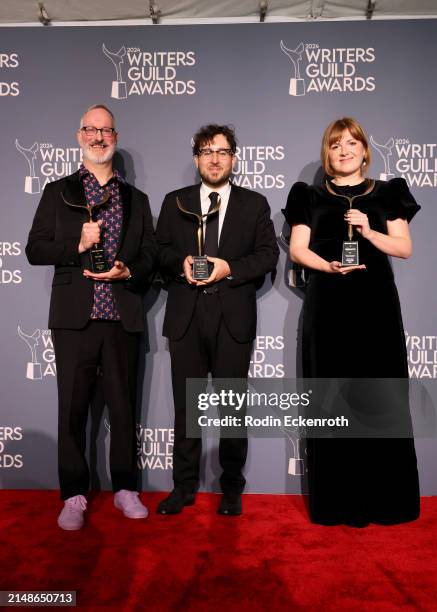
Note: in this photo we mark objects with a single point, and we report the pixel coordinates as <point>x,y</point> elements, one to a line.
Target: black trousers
<point>207,346</point>
<point>79,353</point>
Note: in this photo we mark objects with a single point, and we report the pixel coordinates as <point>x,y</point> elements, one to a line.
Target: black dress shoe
<point>175,502</point>
<point>230,504</point>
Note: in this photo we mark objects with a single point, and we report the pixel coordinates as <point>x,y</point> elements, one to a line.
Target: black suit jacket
<point>247,242</point>
<point>54,239</point>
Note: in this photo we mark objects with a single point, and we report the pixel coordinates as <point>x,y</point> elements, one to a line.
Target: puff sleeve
<point>400,202</point>
<point>298,208</point>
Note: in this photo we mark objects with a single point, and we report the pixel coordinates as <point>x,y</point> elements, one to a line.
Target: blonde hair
<point>333,134</point>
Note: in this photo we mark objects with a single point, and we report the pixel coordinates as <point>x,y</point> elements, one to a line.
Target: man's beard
<point>222,180</point>
<point>89,155</point>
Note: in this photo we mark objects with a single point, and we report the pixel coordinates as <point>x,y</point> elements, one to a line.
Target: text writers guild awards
<point>385,152</point>
<point>118,89</point>
<point>297,84</point>
<point>31,182</point>
<point>33,369</point>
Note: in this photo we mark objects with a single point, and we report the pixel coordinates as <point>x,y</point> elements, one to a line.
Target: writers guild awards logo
<point>385,152</point>
<point>42,359</point>
<point>260,166</point>
<point>318,69</point>
<point>416,162</point>
<point>119,88</point>
<point>48,162</point>
<point>296,465</point>
<point>154,447</point>
<point>150,72</point>
<point>33,369</point>
<point>297,84</point>
<point>9,435</point>
<point>266,358</point>
<point>422,356</point>
<point>31,181</point>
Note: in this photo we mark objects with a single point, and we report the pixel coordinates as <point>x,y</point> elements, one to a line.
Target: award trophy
<point>97,254</point>
<point>385,153</point>
<point>297,84</point>
<point>350,254</point>
<point>31,182</point>
<point>118,90</point>
<point>33,369</point>
<point>295,464</point>
<point>200,261</point>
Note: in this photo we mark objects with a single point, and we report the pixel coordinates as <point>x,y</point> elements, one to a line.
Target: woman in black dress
<point>352,325</point>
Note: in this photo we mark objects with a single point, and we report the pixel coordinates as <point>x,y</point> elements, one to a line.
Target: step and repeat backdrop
<point>279,85</point>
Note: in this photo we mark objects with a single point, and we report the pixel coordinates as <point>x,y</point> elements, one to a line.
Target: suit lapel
<point>191,201</point>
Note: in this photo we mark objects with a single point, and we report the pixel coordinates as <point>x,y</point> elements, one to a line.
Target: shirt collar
<point>83,172</point>
<point>223,192</point>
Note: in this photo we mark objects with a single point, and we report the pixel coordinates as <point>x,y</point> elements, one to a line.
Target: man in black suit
<point>211,324</point>
<point>96,314</point>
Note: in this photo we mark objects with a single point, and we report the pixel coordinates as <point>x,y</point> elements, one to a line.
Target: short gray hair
<point>94,107</point>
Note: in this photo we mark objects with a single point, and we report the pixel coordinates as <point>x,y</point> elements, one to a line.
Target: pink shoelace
<point>76,502</point>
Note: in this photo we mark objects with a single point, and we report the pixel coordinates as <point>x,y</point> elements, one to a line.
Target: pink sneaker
<point>71,516</point>
<point>130,504</point>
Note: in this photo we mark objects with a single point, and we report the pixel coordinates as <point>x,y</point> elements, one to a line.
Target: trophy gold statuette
<point>200,261</point>
<point>350,255</point>
<point>97,254</point>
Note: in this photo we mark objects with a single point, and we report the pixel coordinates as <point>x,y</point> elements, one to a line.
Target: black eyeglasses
<point>106,132</point>
<point>221,153</point>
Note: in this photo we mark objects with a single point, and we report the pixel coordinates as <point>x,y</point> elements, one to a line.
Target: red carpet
<point>271,558</point>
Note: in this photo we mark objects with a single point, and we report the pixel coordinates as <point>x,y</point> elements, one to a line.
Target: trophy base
<point>295,467</point>
<point>31,184</point>
<point>119,90</point>
<point>296,277</point>
<point>386,177</point>
<point>200,267</point>
<point>350,256</point>
<point>297,87</point>
<point>33,371</point>
<point>98,261</point>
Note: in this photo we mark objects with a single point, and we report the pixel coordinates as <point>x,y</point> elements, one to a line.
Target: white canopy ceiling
<point>174,11</point>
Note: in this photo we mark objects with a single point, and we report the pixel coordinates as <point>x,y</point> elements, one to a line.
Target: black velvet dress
<point>352,328</point>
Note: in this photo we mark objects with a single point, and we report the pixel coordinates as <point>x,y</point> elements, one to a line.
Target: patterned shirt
<point>111,214</point>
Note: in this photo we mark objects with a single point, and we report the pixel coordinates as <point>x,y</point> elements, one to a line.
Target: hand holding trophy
<point>90,237</point>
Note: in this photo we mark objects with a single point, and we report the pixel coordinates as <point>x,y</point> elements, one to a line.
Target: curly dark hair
<point>207,133</point>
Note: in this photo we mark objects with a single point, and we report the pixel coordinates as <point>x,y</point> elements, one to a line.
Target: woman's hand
<point>301,253</point>
<point>359,220</point>
<point>335,267</point>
